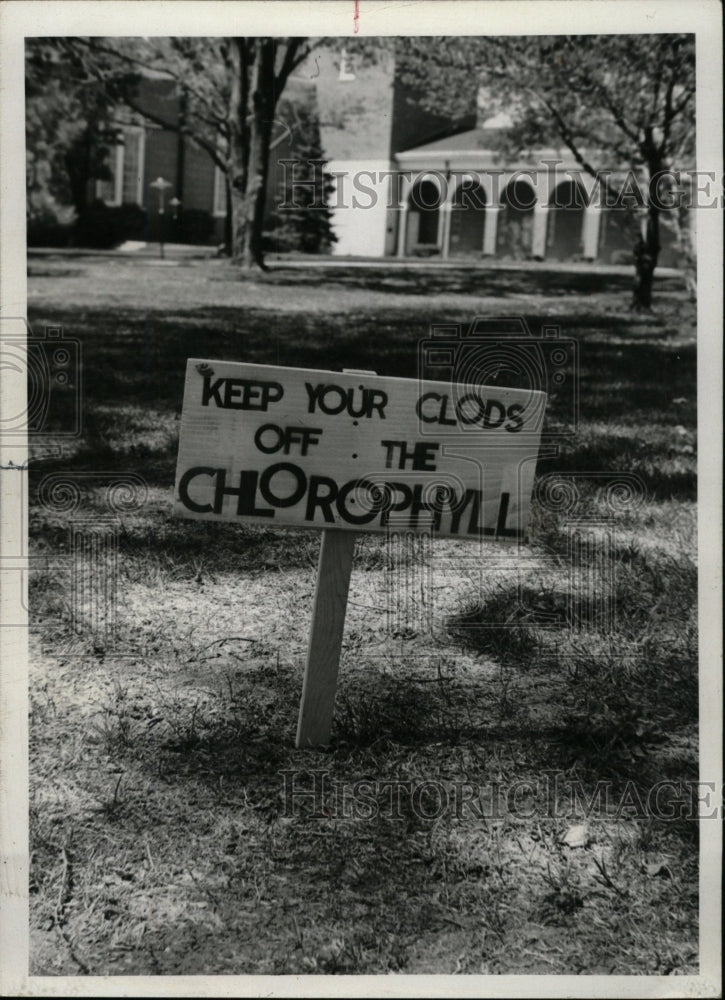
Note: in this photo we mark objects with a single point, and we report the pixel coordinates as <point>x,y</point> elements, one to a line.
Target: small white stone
<point>577,836</point>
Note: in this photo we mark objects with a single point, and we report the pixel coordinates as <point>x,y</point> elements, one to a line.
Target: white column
<point>490,230</point>
<point>692,228</point>
<point>403,215</point>
<point>538,235</point>
<point>118,176</point>
<point>142,167</point>
<point>444,228</point>
<point>590,231</point>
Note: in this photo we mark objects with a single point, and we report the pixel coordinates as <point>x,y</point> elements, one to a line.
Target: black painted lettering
<point>362,409</point>
<point>378,401</point>
<point>417,506</point>
<point>472,497</point>
<point>445,496</point>
<point>297,493</point>
<point>418,457</point>
<point>423,457</point>
<point>310,435</point>
<point>252,393</point>
<point>313,396</point>
<point>328,403</point>
<point>272,392</point>
<point>221,490</point>
<point>390,447</point>
<point>270,438</point>
<point>210,391</point>
<point>245,494</point>
<point>470,409</point>
<point>240,393</point>
<point>315,498</point>
<point>247,497</point>
<point>513,414</point>
<point>406,496</point>
<point>232,393</point>
<point>503,509</point>
<point>427,418</point>
<point>443,419</point>
<point>198,508</point>
<point>269,429</point>
<point>350,516</point>
<point>488,420</point>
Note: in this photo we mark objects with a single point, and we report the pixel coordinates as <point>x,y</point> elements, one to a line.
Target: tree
<point>302,216</point>
<point>229,90</point>
<point>69,131</point>
<point>623,105</point>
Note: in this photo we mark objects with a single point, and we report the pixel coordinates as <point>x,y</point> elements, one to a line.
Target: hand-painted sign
<point>321,449</point>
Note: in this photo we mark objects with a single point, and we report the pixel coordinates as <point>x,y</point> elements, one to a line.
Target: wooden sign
<point>316,449</point>
<point>346,453</point>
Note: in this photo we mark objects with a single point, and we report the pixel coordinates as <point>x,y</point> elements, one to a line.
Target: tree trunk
<point>228,226</point>
<point>263,101</point>
<point>78,168</point>
<point>646,252</point>
<point>238,155</point>
<point>262,110</point>
<point>688,251</point>
<point>252,107</point>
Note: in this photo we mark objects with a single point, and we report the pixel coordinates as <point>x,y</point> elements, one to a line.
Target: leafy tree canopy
<point>623,104</point>
<point>629,99</point>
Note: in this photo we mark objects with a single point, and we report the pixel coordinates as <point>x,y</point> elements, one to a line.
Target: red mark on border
<point>356,16</point>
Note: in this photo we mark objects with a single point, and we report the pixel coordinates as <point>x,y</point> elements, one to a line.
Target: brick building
<point>407,182</point>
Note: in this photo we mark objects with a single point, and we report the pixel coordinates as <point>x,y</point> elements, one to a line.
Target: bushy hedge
<point>49,224</point>
<point>102,226</point>
<point>194,225</point>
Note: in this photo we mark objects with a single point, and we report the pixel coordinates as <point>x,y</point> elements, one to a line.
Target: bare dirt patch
<point>485,805</point>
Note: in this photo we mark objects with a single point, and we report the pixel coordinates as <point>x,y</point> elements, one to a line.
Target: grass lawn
<point>481,707</point>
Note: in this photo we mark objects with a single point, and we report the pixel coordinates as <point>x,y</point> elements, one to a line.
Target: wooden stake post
<point>300,448</point>
<point>319,686</point>
<point>323,655</point>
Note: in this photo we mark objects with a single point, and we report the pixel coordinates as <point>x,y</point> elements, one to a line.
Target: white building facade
<point>410,183</point>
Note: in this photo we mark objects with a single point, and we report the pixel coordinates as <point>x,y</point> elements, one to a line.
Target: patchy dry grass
<point>485,697</point>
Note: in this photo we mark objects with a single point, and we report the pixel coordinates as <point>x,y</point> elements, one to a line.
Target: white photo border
<point>368,17</point>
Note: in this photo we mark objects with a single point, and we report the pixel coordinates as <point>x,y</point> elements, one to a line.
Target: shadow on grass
<point>637,388</point>
<point>468,279</point>
<point>244,743</point>
<point>141,357</point>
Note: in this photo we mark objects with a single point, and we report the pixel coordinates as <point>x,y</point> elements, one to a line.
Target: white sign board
<point>321,449</point>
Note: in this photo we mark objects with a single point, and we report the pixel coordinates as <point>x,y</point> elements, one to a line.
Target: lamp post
<point>175,204</point>
<point>161,186</point>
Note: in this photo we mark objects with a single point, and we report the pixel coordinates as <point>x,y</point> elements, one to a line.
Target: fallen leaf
<point>655,868</point>
<point>577,836</point>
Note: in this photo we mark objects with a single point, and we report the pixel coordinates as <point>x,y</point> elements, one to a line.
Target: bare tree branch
<point>94,46</point>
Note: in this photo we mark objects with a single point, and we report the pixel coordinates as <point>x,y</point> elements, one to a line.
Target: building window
<point>346,71</point>
<point>133,165</point>
<point>126,166</point>
<point>111,191</point>
<point>220,193</point>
